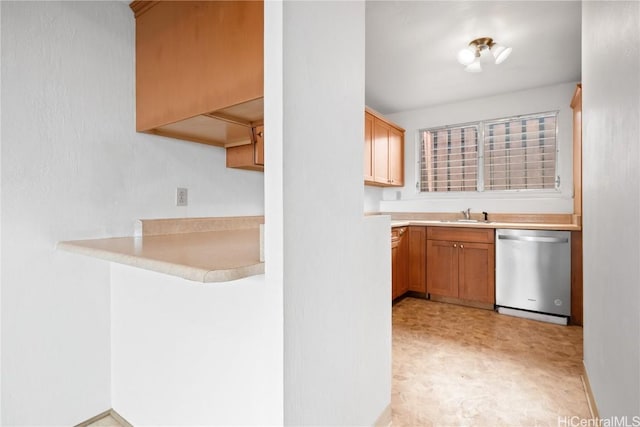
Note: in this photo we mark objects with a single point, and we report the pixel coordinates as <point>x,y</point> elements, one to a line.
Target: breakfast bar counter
<point>199,249</point>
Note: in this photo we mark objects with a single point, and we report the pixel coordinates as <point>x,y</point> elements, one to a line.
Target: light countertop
<point>491,224</point>
<point>217,255</point>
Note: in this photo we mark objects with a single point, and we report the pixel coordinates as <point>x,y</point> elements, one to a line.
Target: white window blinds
<point>520,153</point>
<point>450,159</point>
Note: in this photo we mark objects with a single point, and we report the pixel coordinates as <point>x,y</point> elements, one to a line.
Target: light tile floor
<point>460,366</point>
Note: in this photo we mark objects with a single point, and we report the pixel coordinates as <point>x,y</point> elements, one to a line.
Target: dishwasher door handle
<point>541,239</point>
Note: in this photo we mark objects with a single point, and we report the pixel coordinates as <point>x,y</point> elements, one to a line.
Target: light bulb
<point>466,56</point>
<point>500,53</point>
<point>474,67</point>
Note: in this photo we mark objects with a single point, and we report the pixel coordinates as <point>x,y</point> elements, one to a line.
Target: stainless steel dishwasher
<point>533,274</point>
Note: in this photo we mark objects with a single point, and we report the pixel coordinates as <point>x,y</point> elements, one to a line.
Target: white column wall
<point>73,167</point>
<point>193,354</point>
<point>611,204</point>
<point>337,293</point>
<point>274,189</point>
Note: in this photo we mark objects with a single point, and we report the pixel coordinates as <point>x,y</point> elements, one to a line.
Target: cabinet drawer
<point>460,234</point>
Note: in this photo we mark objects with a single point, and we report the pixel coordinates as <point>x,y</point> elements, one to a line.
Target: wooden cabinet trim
<point>380,117</point>
<point>576,105</point>
<point>141,6</point>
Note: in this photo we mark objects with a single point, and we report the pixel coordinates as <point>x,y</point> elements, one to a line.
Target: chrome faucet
<point>467,213</point>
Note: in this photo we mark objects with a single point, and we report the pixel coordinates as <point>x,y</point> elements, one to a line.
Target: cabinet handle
<point>455,245</point>
<point>260,134</point>
<point>461,246</point>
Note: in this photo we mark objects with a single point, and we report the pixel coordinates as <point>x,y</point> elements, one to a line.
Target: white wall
<point>193,354</point>
<point>337,311</point>
<point>611,202</point>
<point>73,167</point>
<point>538,100</point>
<point>372,197</point>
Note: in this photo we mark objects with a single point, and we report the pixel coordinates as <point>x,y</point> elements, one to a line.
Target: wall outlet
<point>182,197</point>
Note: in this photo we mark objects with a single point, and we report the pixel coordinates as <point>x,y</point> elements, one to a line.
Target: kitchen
<point>104,177</point>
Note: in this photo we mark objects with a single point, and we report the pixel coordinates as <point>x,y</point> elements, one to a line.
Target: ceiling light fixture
<point>471,55</point>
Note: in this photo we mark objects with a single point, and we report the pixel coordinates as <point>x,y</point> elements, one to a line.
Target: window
<point>515,153</point>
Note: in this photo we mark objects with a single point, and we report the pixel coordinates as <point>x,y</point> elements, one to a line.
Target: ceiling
<point>411,49</point>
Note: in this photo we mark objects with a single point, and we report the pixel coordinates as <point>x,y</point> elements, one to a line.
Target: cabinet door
<point>396,157</point>
<point>381,132</point>
<point>248,156</point>
<point>442,268</point>
<point>417,259</point>
<point>368,147</point>
<point>476,268</point>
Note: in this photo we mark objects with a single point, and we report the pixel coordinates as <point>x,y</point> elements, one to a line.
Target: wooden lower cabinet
<point>442,268</point>
<point>576,278</point>
<point>417,259</point>
<point>476,272</point>
<point>399,262</point>
<point>461,264</point>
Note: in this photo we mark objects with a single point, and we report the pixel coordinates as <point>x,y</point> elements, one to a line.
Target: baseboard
<point>541,317</point>
<point>458,301</point>
<point>108,412</point>
<point>589,393</point>
<point>94,419</point>
<point>116,416</point>
<point>384,420</point>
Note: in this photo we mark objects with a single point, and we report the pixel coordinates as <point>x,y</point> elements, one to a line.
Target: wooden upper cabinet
<point>199,69</point>
<point>383,152</point>
<point>381,133</point>
<point>249,156</point>
<point>368,147</point>
<point>396,157</point>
